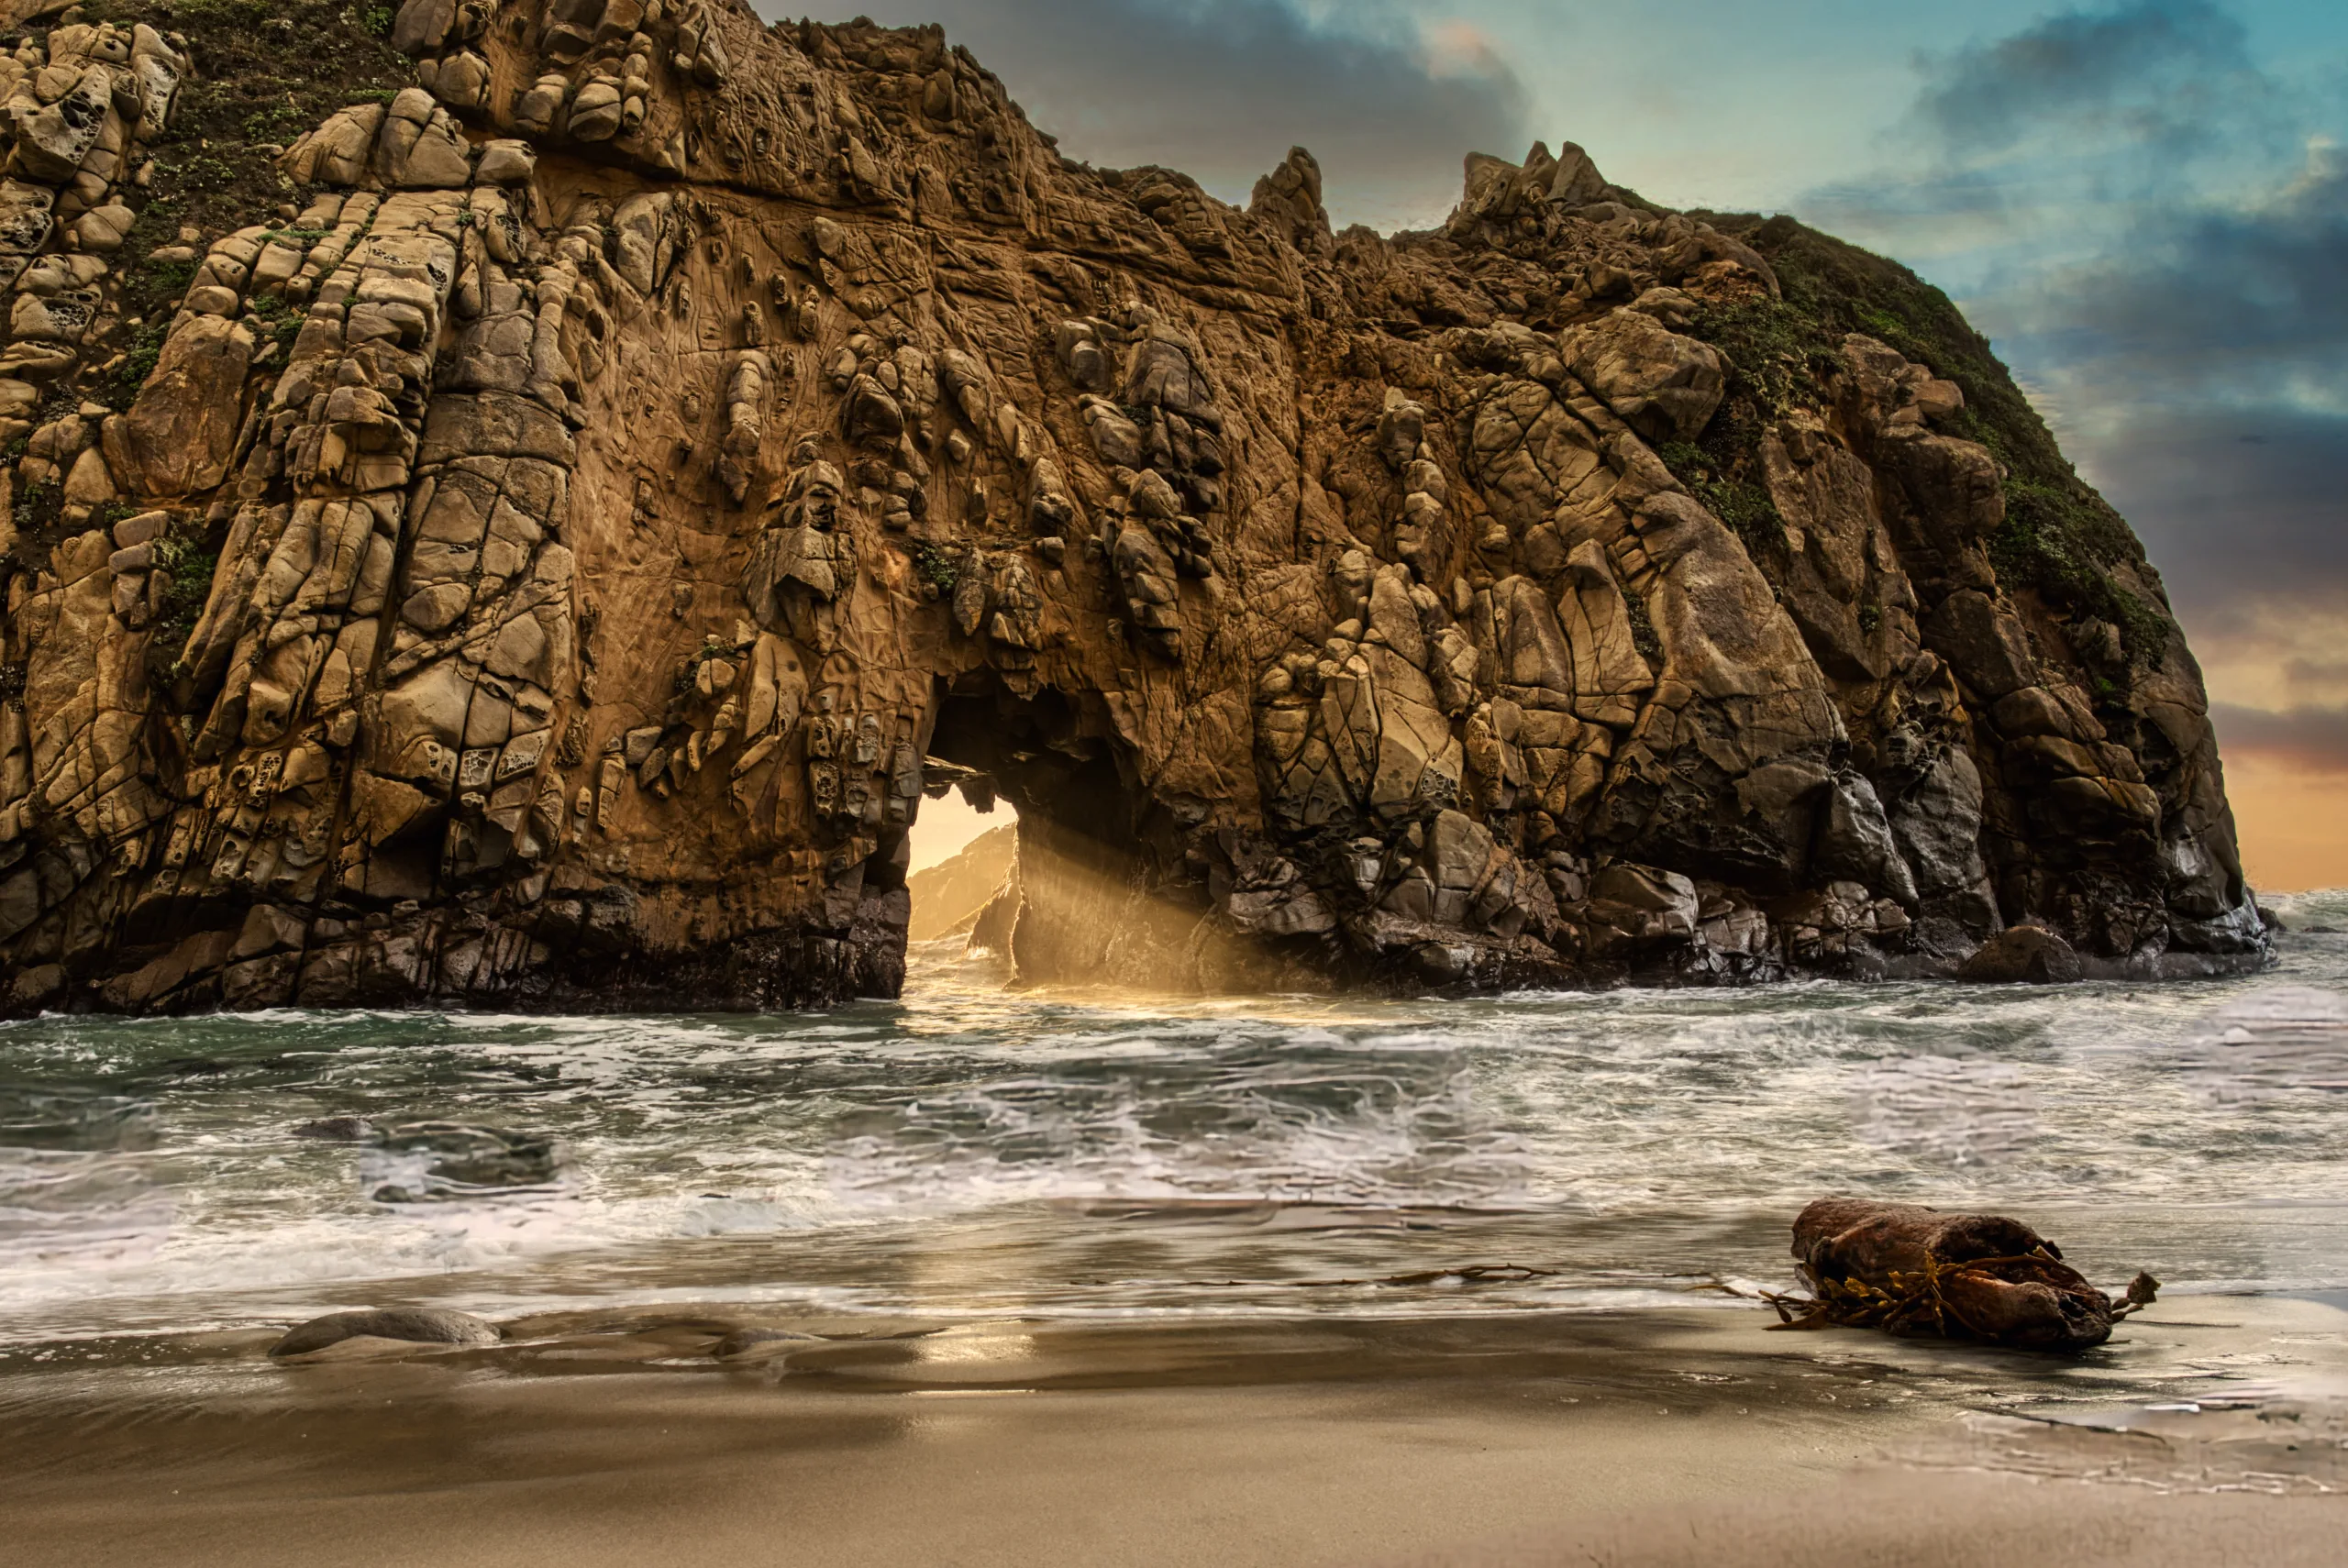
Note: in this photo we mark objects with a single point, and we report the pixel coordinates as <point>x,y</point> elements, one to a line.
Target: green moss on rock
<point>2060,538</point>
<point>263,73</point>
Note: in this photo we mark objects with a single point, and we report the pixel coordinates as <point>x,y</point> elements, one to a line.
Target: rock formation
<point>530,535</point>
<point>948,898</point>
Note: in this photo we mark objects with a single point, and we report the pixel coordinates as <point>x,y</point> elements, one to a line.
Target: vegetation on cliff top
<point>2060,536</point>
<point>263,72</point>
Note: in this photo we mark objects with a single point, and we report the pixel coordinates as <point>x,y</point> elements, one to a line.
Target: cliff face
<point>948,897</point>
<point>531,540</point>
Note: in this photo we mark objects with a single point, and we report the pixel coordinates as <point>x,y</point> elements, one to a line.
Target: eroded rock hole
<point>961,858</point>
<point>1093,877</point>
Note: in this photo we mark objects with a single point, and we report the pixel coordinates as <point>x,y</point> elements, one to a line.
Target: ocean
<point>978,1151</point>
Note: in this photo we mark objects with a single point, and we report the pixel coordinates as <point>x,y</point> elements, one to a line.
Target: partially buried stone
<point>417,1325</point>
<point>422,1162</point>
<point>743,1342</point>
<point>337,1129</point>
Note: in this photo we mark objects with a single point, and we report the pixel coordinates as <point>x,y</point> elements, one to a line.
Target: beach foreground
<point>1651,1438</point>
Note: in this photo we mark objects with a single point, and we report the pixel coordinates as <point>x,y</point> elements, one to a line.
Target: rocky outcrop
<point>948,898</point>
<point>544,560</point>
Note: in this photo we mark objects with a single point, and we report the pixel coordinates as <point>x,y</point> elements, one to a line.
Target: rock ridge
<point>533,534</point>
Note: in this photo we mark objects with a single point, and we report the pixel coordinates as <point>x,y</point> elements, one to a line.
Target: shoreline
<point>1169,1261</point>
<point>1630,1438</point>
<point>554,1000</point>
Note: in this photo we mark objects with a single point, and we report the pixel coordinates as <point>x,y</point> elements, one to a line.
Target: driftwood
<point>1911,1270</point>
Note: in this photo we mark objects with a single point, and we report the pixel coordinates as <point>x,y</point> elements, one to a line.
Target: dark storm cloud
<point>1222,89</point>
<point>2221,336</point>
<point>2214,219</point>
<point>2075,122</point>
<point>2312,739</point>
<point>2236,507</point>
<point>2245,304</point>
<point>2244,513</point>
<point>2154,71</point>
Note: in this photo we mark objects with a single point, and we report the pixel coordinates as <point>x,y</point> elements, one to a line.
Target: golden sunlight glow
<point>2294,831</point>
<point>945,826</point>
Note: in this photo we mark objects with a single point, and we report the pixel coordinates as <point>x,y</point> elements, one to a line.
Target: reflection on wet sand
<point>588,1437</point>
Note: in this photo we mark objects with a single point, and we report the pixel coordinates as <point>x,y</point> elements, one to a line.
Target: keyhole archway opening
<point>1085,857</point>
<point>961,857</point>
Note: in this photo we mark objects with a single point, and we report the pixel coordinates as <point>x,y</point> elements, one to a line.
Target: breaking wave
<point>1098,1152</point>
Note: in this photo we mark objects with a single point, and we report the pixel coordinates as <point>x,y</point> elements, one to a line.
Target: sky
<point>944,826</point>
<point>2144,205</point>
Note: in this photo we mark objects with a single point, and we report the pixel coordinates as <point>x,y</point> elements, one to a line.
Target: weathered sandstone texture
<point>530,539</point>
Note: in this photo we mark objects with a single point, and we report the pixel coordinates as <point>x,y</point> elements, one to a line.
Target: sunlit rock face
<point>548,557</point>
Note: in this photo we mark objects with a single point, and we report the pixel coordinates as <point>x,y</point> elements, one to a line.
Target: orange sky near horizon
<point>2294,831</point>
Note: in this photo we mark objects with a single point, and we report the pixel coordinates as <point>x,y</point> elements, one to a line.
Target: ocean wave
<point>147,1166</point>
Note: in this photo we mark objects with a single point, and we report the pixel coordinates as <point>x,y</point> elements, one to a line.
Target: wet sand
<point>1649,1439</point>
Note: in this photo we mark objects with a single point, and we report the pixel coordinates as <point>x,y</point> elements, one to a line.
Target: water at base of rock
<point>977,1152</point>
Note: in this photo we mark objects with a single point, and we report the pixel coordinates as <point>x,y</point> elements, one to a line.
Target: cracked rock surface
<point>543,554</point>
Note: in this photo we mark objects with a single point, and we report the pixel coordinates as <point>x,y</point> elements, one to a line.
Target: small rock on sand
<point>419,1325</point>
<point>758,1342</point>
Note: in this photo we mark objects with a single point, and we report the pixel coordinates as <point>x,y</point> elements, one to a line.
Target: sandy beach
<point>1474,1302</point>
<point>1648,1438</point>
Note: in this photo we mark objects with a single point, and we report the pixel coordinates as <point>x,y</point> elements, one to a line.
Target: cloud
<point>2167,216</point>
<point>2239,303</point>
<point>2310,739</point>
<point>2157,74</point>
<point>2235,505</point>
<point>2041,149</point>
<point>1389,99</point>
